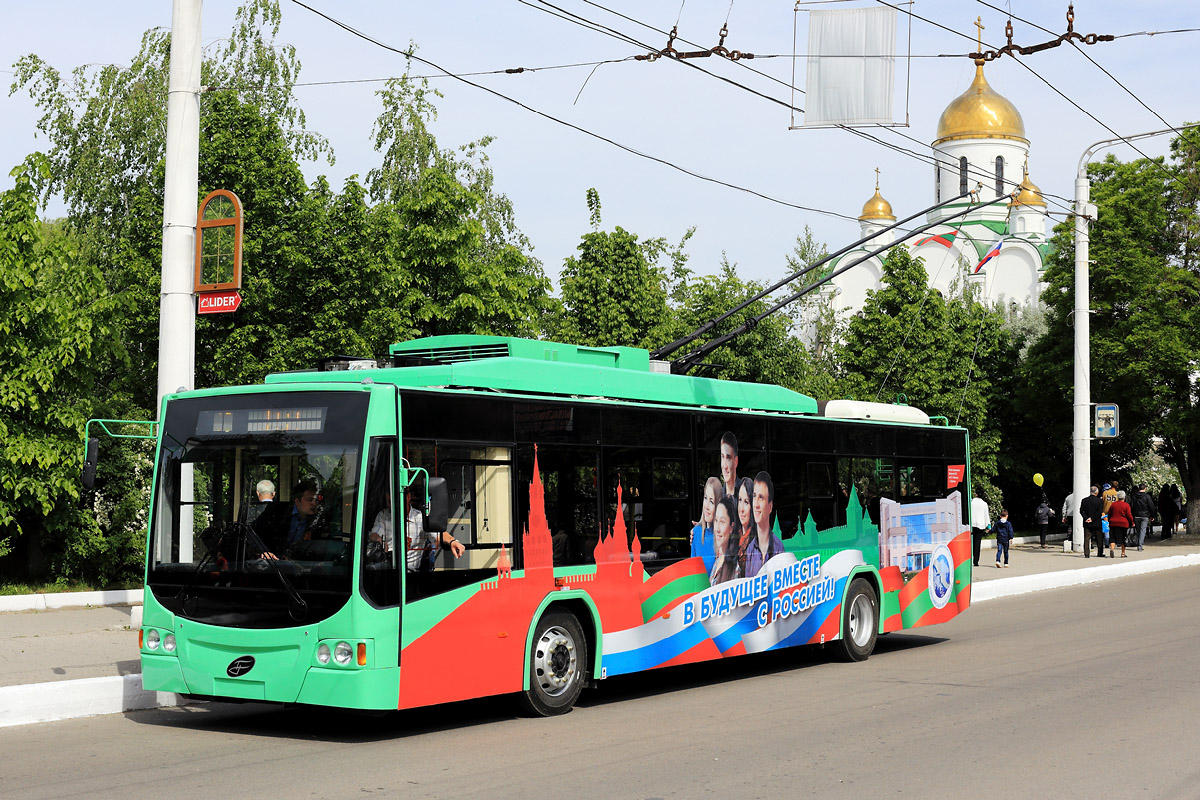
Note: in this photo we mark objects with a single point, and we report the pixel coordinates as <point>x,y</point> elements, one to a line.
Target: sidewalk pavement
<point>60,662</point>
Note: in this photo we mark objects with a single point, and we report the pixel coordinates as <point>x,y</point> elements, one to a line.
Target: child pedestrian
<point>1042,517</point>
<point>1004,536</point>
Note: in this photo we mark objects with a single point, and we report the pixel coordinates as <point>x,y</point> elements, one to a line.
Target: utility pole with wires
<point>177,304</point>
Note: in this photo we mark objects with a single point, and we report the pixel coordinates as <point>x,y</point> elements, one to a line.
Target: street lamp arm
<point>1087,154</point>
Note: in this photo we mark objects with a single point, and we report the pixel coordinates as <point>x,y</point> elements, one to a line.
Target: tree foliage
<point>614,292</point>
<point>427,246</point>
<point>1145,283</point>
<point>55,323</point>
<point>951,357</point>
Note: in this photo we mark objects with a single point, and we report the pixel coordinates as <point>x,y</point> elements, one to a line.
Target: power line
<point>1095,63</point>
<point>506,71</point>
<point>626,148</point>
<point>972,171</point>
<point>1056,90</point>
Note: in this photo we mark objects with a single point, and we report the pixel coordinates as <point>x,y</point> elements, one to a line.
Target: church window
<point>999,176</point>
<point>962,175</point>
<point>937,181</point>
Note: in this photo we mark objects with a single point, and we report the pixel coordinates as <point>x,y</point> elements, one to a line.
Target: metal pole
<point>177,305</point>
<point>1081,442</point>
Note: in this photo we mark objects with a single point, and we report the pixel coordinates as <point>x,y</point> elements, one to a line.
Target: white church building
<point>1001,247</point>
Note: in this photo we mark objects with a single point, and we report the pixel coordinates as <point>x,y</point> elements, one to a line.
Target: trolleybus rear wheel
<point>557,664</point>
<point>860,621</point>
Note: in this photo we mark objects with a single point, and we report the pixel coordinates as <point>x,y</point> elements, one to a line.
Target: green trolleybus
<point>479,515</point>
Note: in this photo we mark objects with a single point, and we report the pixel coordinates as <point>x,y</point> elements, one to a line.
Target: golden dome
<point>1030,194</point>
<point>980,113</point>
<point>877,208</point>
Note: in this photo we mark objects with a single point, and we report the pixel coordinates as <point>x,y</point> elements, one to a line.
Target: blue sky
<point>666,109</point>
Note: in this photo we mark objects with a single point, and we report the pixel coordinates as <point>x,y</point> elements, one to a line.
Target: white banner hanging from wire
<point>851,67</point>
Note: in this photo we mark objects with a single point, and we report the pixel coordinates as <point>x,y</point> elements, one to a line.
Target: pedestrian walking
<point>1120,520</point>
<point>1144,510</point>
<point>1177,499</point>
<point>1042,516</point>
<point>1166,510</point>
<point>1004,536</point>
<point>1110,495</point>
<point>981,520</point>
<point>1091,510</point>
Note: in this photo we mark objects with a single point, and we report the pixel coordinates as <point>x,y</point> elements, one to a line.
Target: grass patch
<point>9,589</point>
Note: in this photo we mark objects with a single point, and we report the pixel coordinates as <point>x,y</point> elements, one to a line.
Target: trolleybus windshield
<point>255,509</point>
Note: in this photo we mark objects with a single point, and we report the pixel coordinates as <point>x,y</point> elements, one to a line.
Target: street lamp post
<point>1081,441</point>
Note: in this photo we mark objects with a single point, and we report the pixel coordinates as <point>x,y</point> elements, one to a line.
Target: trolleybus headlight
<point>343,653</point>
<point>152,639</point>
<point>169,643</point>
<point>323,653</point>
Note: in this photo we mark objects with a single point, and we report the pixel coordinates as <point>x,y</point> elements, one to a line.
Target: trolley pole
<point>177,305</point>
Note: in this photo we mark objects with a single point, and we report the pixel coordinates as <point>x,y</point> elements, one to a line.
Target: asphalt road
<point>1087,692</point>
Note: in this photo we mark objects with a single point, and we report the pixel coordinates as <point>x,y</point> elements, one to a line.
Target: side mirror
<point>88,478</point>
<point>437,516</point>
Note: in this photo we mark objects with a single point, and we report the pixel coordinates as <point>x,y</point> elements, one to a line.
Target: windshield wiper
<point>236,531</point>
<point>297,607</point>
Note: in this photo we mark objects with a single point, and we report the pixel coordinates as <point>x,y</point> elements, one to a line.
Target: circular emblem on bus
<point>240,666</point>
<point>941,576</point>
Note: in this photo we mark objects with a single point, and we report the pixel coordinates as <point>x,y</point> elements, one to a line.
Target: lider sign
<point>219,302</point>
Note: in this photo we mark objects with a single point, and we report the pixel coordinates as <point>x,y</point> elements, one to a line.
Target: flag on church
<point>995,251</point>
<point>944,239</point>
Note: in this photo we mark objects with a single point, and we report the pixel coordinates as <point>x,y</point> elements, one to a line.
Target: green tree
<point>55,320</point>
<point>1145,282</point>
<point>769,352</point>
<point>325,272</point>
<point>613,292</point>
<point>947,356</point>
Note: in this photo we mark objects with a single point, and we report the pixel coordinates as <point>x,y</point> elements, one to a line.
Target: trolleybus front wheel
<point>860,621</point>
<point>557,663</point>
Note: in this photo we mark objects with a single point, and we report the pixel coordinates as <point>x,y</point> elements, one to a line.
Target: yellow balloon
<point>1037,478</point>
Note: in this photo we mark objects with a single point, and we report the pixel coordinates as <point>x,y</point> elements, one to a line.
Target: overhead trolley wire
<point>974,172</point>
<point>585,131</point>
<point>1056,90</point>
<point>1095,63</point>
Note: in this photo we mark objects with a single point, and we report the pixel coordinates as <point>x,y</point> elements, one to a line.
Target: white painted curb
<point>1023,584</point>
<point>41,602</point>
<point>46,702</point>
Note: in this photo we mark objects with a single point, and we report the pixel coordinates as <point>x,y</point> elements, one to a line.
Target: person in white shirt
<point>981,520</point>
<point>422,546</point>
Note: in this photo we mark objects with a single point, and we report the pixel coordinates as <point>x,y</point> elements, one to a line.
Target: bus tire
<point>860,621</point>
<point>557,665</point>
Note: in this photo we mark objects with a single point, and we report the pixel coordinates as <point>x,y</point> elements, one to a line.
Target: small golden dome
<point>980,113</point>
<point>1030,194</point>
<point>877,208</point>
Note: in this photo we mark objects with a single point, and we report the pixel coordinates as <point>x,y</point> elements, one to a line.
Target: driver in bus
<point>281,526</point>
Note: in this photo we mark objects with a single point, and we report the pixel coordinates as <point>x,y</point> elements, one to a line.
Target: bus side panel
<point>476,647</point>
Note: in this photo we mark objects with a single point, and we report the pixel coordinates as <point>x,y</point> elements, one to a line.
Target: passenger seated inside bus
<point>264,490</point>
<point>423,547</point>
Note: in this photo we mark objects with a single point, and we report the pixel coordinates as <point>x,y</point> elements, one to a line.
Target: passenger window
<point>569,489</point>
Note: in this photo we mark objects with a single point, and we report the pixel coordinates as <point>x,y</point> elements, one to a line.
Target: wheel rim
<point>862,618</point>
<point>555,662</point>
